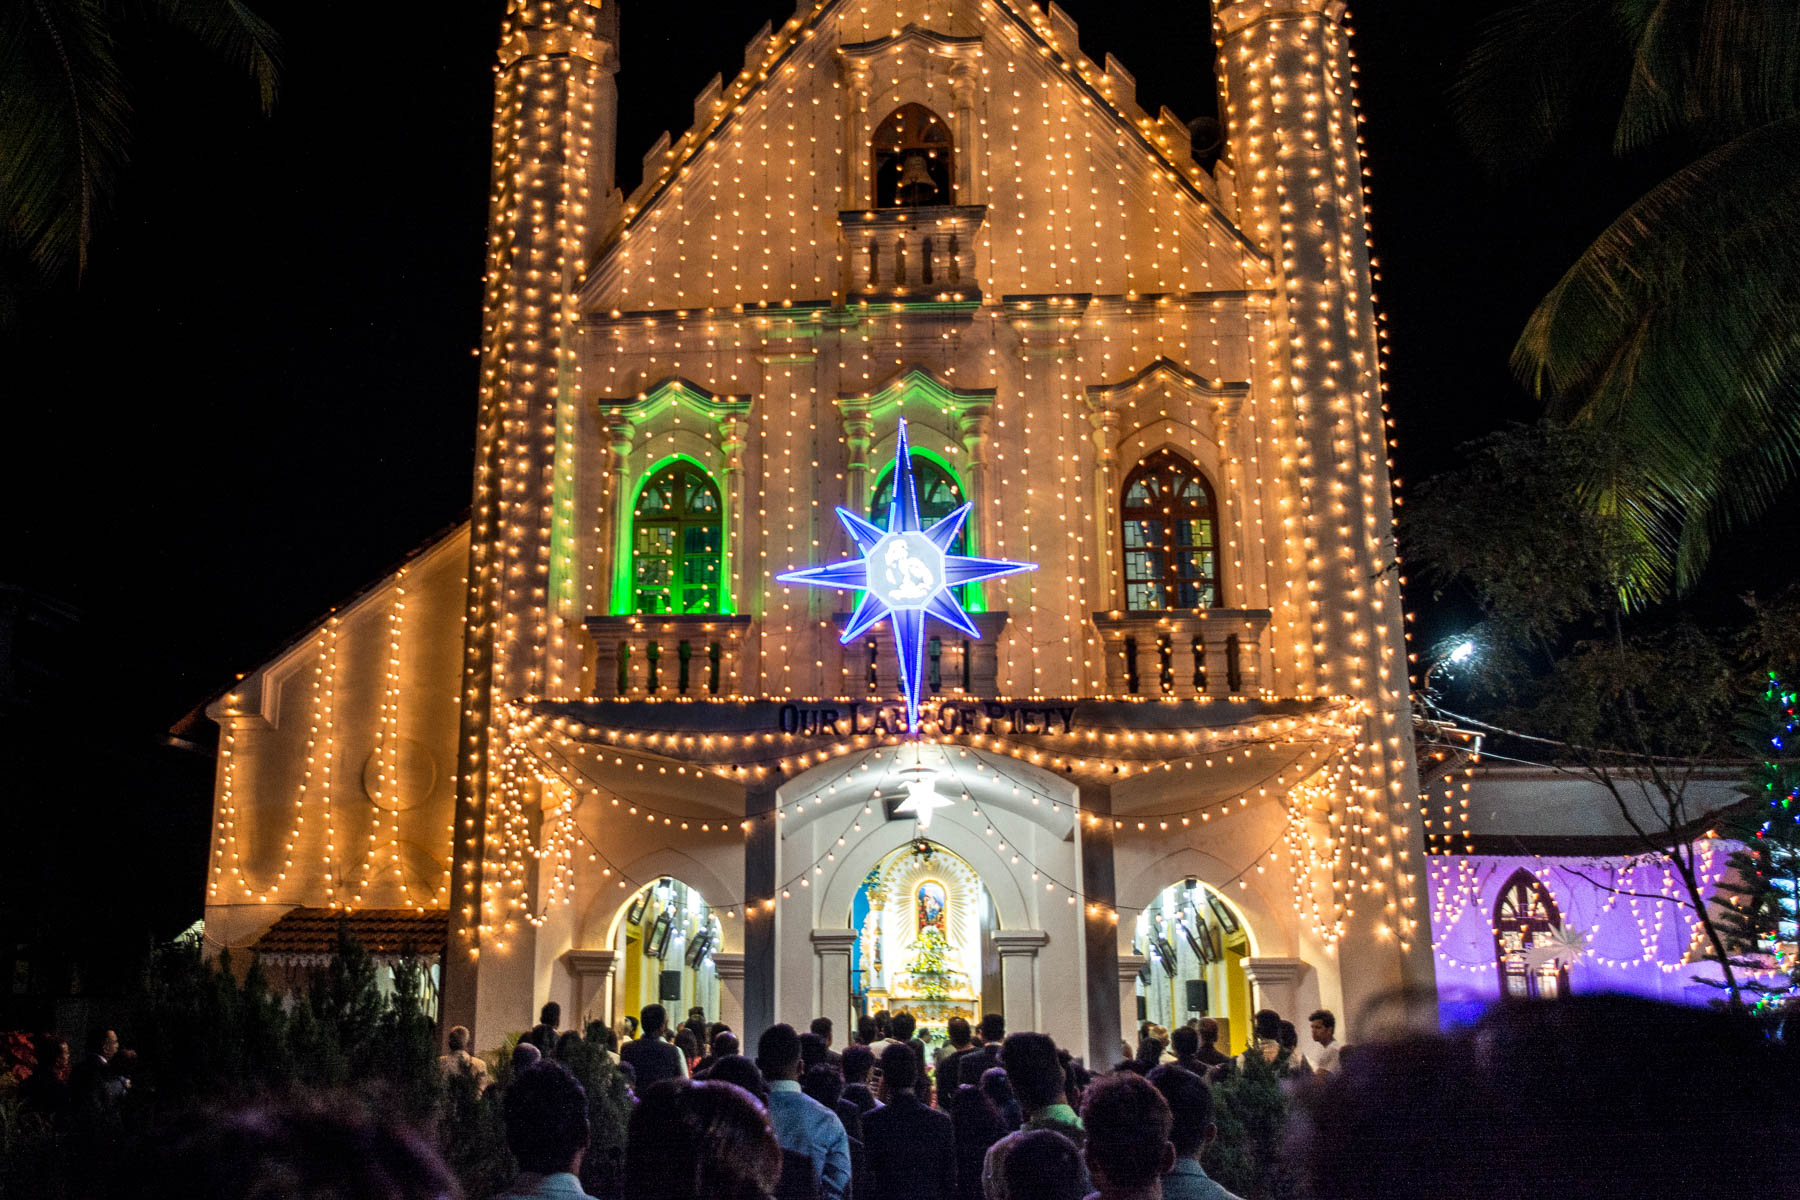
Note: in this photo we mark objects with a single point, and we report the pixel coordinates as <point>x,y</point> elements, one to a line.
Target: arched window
<point>1170,536</point>
<point>939,496</point>
<point>677,539</point>
<point>1525,916</point>
<point>913,159</point>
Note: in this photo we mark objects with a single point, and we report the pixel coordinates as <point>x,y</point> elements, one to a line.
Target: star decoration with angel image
<point>906,574</point>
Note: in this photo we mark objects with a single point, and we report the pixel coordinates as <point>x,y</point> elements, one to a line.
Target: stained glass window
<point>677,542</point>
<point>1170,536</point>
<point>1524,917</point>
<point>939,496</point>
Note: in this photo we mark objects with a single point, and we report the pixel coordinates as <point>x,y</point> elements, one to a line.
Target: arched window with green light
<point>678,542</point>
<point>940,494</point>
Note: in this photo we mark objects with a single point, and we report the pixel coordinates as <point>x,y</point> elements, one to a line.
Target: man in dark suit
<point>858,1062</point>
<point>822,1027</point>
<point>911,1146</point>
<point>96,1086</point>
<point>543,1035</point>
<point>961,1042</point>
<point>649,1056</point>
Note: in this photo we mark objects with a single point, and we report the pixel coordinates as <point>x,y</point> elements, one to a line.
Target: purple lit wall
<point>1635,943</point>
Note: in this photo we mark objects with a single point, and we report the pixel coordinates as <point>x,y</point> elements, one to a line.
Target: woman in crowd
<point>689,1047</point>
<point>1000,1094</point>
<point>700,1140</point>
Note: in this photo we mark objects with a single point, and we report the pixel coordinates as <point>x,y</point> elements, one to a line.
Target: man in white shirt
<point>803,1125</point>
<point>460,1062</point>
<point>1324,1032</point>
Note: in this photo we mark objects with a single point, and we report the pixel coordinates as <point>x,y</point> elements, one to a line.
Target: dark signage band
<point>952,717</point>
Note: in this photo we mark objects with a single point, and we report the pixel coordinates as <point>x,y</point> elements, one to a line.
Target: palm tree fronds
<point>63,139</point>
<point>1537,67</point>
<point>234,35</point>
<point>1677,331</point>
<point>1708,69</point>
<point>65,116</point>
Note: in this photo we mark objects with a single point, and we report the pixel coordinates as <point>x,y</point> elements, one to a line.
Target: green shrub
<point>204,1038</point>
<point>1250,1110</point>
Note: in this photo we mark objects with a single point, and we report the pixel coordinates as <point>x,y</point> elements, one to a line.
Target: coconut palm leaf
<point>1702,70</point>
<point>231,33</point>
<point>1708,70</point>
<point>1676,331</point>
<point>63,119</point>
<point>65,111</point>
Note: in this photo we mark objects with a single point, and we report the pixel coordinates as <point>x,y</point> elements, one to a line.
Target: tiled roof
<point>313,932</point>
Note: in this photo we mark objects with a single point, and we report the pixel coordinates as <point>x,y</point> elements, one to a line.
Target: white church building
<point>587,747</point>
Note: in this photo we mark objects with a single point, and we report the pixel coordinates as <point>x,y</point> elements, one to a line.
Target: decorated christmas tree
<point>1760,893</point>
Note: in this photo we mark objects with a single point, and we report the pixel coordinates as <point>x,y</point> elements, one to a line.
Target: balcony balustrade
<point>898,254</point>
<point>1184,654</point>
<point>667,654</point>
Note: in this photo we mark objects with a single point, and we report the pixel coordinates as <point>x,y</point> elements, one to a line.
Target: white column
<point>857,122</point>
<point>1129,966</point>
<point>963,84</point>
<point>731,993</point>
<point>732,434</point>
<point>859,431</point>
<point>831,973</point>
<point>1018,952</point>
<point>1110,591</point>
<point>974,425</point>
<point>1277,984</point>
<point>591,973</point>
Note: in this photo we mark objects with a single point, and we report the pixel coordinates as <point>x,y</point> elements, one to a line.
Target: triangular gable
<point>776,55</point>
<point>249,687</point>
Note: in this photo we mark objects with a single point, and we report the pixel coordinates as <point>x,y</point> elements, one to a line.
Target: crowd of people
<point>986,1115</point>
<point>82,1097</point>
<point>1576,1095</point>
<point>1586,1094</point>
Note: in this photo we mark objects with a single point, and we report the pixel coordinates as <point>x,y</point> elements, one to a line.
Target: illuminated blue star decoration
<point>906,574</point>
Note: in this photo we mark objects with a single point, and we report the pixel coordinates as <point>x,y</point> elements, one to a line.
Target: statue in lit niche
<point>923,928</point>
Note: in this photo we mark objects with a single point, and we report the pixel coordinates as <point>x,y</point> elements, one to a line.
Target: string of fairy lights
<point>1651,909</point>
<point>326,780</point>
<point>563,782</point>
<point>1122,249</point>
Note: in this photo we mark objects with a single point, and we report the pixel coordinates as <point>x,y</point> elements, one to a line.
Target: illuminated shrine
<point>928,263</point>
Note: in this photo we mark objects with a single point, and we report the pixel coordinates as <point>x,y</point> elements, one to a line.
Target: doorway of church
<point>1194,942</point>
<point>924,943</point>
<point>666,938</point>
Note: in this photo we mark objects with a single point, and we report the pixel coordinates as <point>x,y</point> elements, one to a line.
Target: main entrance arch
<point>924,944</point>
<point>1003,850</point>
<point>663,940</point>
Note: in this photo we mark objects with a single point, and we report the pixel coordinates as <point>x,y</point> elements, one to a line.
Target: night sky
<point>264,393</point>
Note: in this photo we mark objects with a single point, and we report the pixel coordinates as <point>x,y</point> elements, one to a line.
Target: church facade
<point>1168,773</point>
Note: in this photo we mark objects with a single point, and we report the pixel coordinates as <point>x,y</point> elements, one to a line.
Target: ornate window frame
<point>646,432</point>
<point>1169,577</point>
